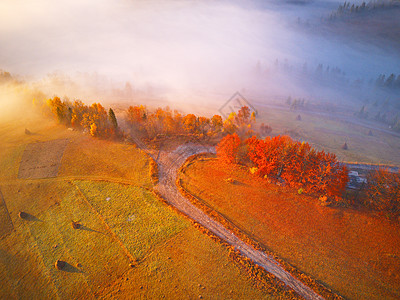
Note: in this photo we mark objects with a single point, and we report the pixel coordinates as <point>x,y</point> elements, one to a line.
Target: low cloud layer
<point>181,49</point>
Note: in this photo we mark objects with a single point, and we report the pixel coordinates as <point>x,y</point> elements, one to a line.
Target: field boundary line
<point>129,182</point>
<point>3,202</point>
<point>113,234</point>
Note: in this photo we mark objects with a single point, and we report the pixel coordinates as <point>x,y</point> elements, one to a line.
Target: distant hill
<point>375,22</point>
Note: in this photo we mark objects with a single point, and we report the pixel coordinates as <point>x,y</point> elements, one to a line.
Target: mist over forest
<point>201,52</point>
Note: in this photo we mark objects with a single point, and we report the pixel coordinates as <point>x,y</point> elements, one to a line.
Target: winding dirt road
<point>169,163</point>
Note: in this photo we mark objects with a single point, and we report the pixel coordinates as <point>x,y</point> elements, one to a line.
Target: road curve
<point>169,163</point>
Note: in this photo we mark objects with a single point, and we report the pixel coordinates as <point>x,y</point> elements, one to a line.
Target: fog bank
<point>181,51</point>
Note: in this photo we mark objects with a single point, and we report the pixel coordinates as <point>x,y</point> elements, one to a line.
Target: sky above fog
<point>180,44</point>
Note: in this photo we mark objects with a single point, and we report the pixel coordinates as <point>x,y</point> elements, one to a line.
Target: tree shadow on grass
<point>235,182</point>
<point>28,132</point>
<point>83,227</point>
<point>71,269</point>
<point>239,183</point>
<point>28,217</point>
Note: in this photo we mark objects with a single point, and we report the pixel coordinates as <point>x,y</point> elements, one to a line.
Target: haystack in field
<point>23,215</point>
<point>59,264</point>
<point>75,225</point>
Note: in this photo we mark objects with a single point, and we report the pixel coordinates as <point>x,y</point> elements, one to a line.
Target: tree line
<point>350,8</point>
<point>393,120</point>
<point>392,81</point>
<point>93,118</point>
<point>281,159</point>
<point>297,165</point>
<point>151,123</point>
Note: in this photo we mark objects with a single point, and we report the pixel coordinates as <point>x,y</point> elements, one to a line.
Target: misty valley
<point>188,149</point>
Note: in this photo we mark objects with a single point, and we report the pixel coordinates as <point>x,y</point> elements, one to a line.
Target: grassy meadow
<point>330,134</point>
<point>354,253</point>
<point>130,244</point>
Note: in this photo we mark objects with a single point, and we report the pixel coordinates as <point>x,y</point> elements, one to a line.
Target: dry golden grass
<point>86,156</point>
<point>14,141</point>
<point>170,257</point>
<point>129,245</point>
<point>186,267</point>
<point>354,253</point>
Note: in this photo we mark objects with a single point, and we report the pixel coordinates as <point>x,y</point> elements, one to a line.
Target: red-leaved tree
<point>228,148</point>
<point>298,165</point>
<point>383,191</point>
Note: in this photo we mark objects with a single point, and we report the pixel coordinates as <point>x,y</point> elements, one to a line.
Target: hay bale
<point>23,215</point>
<point>75,225</point>
<point>59,264</point>
<point>230,180</point>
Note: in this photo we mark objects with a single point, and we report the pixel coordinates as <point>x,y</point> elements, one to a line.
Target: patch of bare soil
<point>42,159</point>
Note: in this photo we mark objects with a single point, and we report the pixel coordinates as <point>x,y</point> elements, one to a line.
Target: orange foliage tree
<point>203,125</point>
<point>93,118</point>
<point>228,148</point>
<point>190,123</point>
<point>216,123</point>
<point>383,191</point>
<point>59,109</point>
<point>298,165</point>
<point>78,110</point>
<point>164,121</point>
<point>136,114</point>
